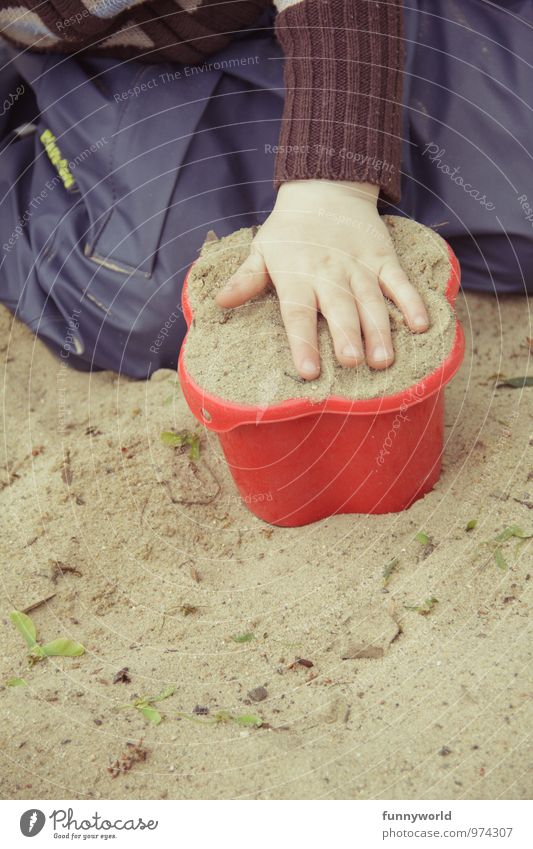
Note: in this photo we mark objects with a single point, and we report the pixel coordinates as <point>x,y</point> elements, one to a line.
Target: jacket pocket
<point>121,131</point>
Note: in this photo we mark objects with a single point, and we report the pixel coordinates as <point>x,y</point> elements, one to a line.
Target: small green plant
<point>388,571</point>
<point>183,439</point>
<point>499,559</point>
<point>496,545</point>
<point>57,648</point>
<point>243,638</point>
<point>471,525</point>
<point>145,704</point>
<point>425,608</point>
<point>423,538</point>
<point>513,531</point>
<point>246,720</point>
<point>16,682</point>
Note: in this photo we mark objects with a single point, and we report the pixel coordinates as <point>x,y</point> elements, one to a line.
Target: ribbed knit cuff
<point>343,80</point>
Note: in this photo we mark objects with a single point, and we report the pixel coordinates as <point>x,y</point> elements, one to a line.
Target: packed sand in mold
<point>243,355</point>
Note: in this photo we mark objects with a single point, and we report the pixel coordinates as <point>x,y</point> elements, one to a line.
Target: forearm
<point>343,75</point>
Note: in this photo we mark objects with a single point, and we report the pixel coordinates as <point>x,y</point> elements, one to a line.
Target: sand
<point>243,355</point>
<point>443,711</point>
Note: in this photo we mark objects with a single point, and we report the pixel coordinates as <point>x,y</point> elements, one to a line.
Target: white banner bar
<point>268,825</point>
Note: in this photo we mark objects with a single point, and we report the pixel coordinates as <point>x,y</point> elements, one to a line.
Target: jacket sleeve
<point>343,79</point>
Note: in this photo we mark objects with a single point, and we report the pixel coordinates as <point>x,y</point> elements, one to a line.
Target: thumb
<point>247,282</point>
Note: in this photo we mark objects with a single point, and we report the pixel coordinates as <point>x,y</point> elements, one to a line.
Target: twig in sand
<point>388,570</point>
<point>143,510</point>
<point>59,569</point>
<point>37,604</point>
<point>195,574</point>
<point>293,377</point>
<point>66,470</point>
<point>524,502</point>
<point>515,382</point>
<point>301,661</point>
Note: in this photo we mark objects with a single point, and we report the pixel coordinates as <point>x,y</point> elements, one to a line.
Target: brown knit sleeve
<point>343,79</point>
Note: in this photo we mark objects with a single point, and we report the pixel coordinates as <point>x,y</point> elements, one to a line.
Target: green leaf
<point>224,716</point>
<point>62,648</point>
<point>249,721</point>
<point>178,440</point>
<point>515,382</point>
<point>499,559</point>
<point>194,453</point>
<point>164,694</point>
<point>243,638</point>
<point>16,682</point>
<point>150,713</point>
<point>471,525</point>
<point>388,570</point>
<point>422,538</point>
<point>174,440</point>
<point>512,531</point>
<point>24,626</point>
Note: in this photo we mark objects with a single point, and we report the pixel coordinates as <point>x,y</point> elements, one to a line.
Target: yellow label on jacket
<point>55,156</point>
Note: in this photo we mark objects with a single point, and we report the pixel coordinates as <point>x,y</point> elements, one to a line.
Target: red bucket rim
<point>219,415</point>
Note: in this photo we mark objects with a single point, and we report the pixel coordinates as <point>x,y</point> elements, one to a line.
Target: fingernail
<point>351,352</point>
<point>380,354</point>
<point>420,322</point>
<point>309,367</point>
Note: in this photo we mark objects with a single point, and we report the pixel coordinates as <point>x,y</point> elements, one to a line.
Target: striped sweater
<point>343,66</point>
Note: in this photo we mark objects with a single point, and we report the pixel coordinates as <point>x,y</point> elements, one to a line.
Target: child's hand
<point>324,247</point>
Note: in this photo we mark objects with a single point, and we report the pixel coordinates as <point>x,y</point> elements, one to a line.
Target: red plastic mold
<point>299,461</point>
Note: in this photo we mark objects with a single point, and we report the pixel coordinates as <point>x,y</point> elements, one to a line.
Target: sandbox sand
<point>168,569</point>
<point>243,355</point>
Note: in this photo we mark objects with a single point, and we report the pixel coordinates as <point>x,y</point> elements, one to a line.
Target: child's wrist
<point>334,189</point>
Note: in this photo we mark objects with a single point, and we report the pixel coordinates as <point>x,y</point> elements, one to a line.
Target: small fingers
<point>248,281</point>
<point>298,310</point>
<point>339,309</point>
<point>374,318</point>
<point>395,284</point>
